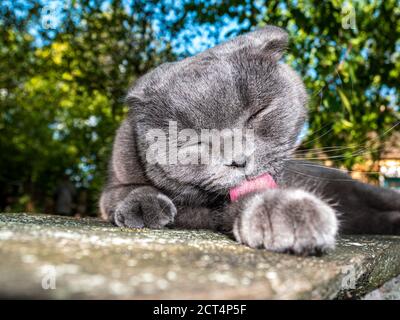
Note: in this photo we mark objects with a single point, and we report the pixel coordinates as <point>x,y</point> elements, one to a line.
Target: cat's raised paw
<point>145,208</point>
<point>291,221</point>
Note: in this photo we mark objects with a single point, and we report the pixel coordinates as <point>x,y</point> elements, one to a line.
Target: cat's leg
<point>137,207</point>
<point>363,208</point>
<point>128,200</point>
<point>280,220</point>
<point>197,218</point>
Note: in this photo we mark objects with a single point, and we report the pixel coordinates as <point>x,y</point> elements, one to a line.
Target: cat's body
<point>239,84</point>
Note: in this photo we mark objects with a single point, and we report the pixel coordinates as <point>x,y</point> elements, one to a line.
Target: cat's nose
<point>239,162</point>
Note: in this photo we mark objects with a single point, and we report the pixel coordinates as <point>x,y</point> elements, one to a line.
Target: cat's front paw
<point>144,207</point>
<point>292,221</point>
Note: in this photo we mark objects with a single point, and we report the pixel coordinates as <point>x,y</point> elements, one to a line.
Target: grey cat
<point>238,84</point>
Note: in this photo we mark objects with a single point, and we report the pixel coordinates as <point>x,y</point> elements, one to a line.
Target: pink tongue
<point>262,182</point>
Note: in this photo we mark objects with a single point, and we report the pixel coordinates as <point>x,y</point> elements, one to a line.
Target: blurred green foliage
<point>62,89</point>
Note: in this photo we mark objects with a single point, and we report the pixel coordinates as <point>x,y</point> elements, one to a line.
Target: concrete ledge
<point>92,259</point>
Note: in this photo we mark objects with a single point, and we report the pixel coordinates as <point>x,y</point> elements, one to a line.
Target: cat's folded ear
<point>134,97</point>
<point>269,42</point>
<point>273,41</point>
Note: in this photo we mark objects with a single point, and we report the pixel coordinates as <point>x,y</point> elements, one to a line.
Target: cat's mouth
<point>262,182</point>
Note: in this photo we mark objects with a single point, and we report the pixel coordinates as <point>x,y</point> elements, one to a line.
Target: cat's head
<point>240,86</point>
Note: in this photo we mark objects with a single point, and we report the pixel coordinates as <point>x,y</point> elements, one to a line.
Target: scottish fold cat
<point>239,89</point>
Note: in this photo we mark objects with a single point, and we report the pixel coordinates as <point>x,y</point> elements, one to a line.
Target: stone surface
<point>93,259</point>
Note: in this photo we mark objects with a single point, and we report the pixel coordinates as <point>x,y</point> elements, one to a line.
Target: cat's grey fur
<point>237,84</point>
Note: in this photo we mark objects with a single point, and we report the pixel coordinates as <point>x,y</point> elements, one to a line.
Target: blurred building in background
<point>389,165</point>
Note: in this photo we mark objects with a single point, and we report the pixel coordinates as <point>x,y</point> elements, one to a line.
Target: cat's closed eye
<point>255,115</point>
<point>189,144</point>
